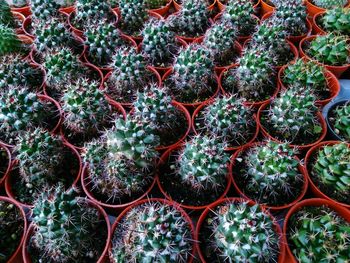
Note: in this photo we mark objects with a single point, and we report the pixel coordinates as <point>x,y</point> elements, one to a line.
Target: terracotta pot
<point>145,201</point>
<point>281,258</point>
<point>243,195</point>
<point>67,10</point>
<point>16,256</point>
<point>202,106</point>
<point>19,17</point>
<point>332,84</point>
<point>300,147</point>
<point>163,11</point>
<point>25,10</point>
<point>164,162</point>
<point>308,158</point>
<point>26,23</point>
<point>266,8</point>
<point>317,29</point>
<point>336,70</point>
<point>10,177</point>
<point>104,256</point>
<point>312,9</point>
<point>9,164</point>
<point>222,6</point>
<point>343,212</point>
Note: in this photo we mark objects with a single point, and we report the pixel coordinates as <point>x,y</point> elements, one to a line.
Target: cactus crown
<point>159,232</point>
<point>192,20</point>
<point>65,227</point>
<point>44,9</point>
<point>330,49</point>
<point>342,121</point>
<point>9,42</point>
<point>331,171</point>
<point>271,173</point>
<point>319,234</point>
<point>336,20</point>
<point>202,163</point>
<point>133,16</point>
<point>328,4</point>
<point>6,17</point>
<point>90,11</point>
<point>242,232</point>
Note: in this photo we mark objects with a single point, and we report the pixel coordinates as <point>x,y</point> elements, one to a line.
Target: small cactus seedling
<point>159,233</point>
<point>319,234</point>
<point>336,20</point>
<point>44,9</point>
<point>330,49</point>
<point>9,42</point>
<point>331,171</point>
<point>155,4</point>
<point>329,4</point>
<point>133,16</point>
<point>67,228</point>
<point>270,174</point>
<point>6,17</point>
<point>341,121</point>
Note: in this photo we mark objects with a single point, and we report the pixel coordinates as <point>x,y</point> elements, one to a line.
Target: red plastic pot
<point>163,11</point>
<point>8,166</point>
<point>9,178</point>
<point>281,257</point>
<point>67,10</point>
<point>266,8</point>
<point>315,190</point>
<point>17,256</point>
<point>343,212</point>
<point>104,256</point>
<point>25,10</point>
<point>300,147</point>
<point>332,84</point>
<point>272,208</point>
<point>317,29</point>
<point>20,17</point>
<point>313,9</point>
<point>164,161</point>
<point>202,106</point>
<point>222,6</point>
<point>26,23</point>
<point>146,201</point>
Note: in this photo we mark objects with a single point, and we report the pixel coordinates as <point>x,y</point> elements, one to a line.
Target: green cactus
<point>89,12</point>
<point>11,229</point>
<point>9,42</point>
<point>239,232</point>
<point>336,20</point>
<point>269,173</point>
<point>155,4</point>
<point>319,234</point>
<point>341,121</point>
<point>133,16</point>
<point>330,49</point>
<point>44,9</point>
<point>67,228</point>
<point>329,4</point>
<point>159,43</point>
<point>192,20</point>
<point>6,16</point>
<point>19,3</point>
<point>159,233</point>
<point>331,171</point>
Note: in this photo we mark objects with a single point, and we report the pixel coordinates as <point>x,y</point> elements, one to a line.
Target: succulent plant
<point>133,16</point>
<point>89,12</point>
<point>6,16</point>
<point>159,233</point>
<point>66,228</point>
<point>19,3</point>
<point>155,4</point>
<point>193,73</point>
<point>9,42</point>
<point>319,234</point>
<point>341,121</point>
<point>336,20</point>
<point>330,49</point>
<point>242,233</point>
<point>331,171</point>
<point>192,20</point>
<point>270,173</point>
<point>329,4</point>
<point>159,43</point>
<point>44,9</point>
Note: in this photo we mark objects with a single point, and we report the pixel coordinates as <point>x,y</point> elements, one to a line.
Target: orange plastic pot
<point>211,208</point>
<point>312,9</point>
<point>266,8</point>
<point>317,29</point>
<point>163,11</point>
<point>26,23</point>
<point>20,17</point>
<point>315,190</point>
<point>9,163</point>
<point>67,10</point>
<point>25,10</point>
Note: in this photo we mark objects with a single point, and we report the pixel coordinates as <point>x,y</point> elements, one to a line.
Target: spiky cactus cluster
<point>9,42</point>
<point>319,234</point>
<point>330,49</point>
<point>336,20</point>
<point>342,121</point>
<point>88,12</point>
<point>270,173</point>
<point>159,233</point>
<point>66,228</point>
<point>202,163</point>
<point>328,4</point>
<point>133,16</point>
<point>331,171</point>
<point>192,20</point>
<point>241,233</point>
<point>230,119</point>
<point>43,9</point>
<point>159,43</point>
<point>6,17</point>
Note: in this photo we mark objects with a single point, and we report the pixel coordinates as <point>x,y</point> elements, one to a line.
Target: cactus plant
<point>331,171</point>
<point>11,229</point>
<point>341,121</point>
<point>192,20</point>
<point>6,17</point>
<point>19,3</point>
<point>336,20</point>
<point>9,42</point>
<point>330,49</point>
<point>269,173</point>
<point>155,4</point>
<point>133,16</point>
<point>159,233</point>
<point>44,9</point>
<point>239,232</point>
<point>329,4</point>
<point>67,228</point>
<point>319,234</point>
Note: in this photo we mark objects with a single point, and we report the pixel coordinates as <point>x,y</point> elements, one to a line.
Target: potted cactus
<point>120,165</point>
<point>6,16</point>
<point>338,120</point>
<point>66,228</point>
<point>316,6</point>
<point>302,72</point>
<point>170,120</point>
<point>43,10</point>
<point>159,6</point>
<point>334,20</point>
<point>159,230</point>
<point>270,174</point>
<point>5,162</point>
<point>229,118</point>
<point>42,161</point>
<point>317,230</point>
<point>13,227</point>
<point>21,6</point>
<point>10,42</point>
<point>237,230</point>
<point>195,174</point>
